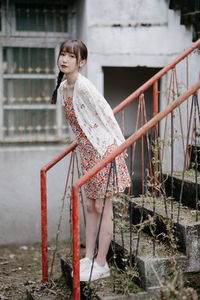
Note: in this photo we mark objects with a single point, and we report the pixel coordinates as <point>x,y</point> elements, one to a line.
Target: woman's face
<point>67,62</point>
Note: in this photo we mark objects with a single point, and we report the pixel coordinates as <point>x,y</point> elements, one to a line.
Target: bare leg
<point>94,210</point>
<point>106,229</point>
<point>92,223</point>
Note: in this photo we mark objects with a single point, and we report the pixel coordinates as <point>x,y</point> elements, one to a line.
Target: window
<point>41,17</point>
<point>27,92</point>
<point>28,60</point>
<point>29,71</point>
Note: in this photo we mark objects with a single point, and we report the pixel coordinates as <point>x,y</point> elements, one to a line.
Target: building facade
<point>128,42</point>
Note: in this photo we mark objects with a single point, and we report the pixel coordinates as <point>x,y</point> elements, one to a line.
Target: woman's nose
<point>65,58</point>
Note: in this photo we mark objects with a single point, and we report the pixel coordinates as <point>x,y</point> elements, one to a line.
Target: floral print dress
<point>95,187</point>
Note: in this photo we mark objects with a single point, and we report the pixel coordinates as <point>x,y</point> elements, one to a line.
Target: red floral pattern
<point>95,188</point>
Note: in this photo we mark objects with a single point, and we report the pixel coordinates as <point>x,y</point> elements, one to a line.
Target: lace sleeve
<point>95,116</point>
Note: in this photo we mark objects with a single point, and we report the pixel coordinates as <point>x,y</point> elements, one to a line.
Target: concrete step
<point>66,267</point>
<point>123,278</point>
<point>189,187</point>
<point>186,232</point>
<point>149,267</point>
<point>152,266</point>
<point>153,269</point>
<point>103,289</point>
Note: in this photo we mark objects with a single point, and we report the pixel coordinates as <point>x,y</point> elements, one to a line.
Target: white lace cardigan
<point>94,115</point>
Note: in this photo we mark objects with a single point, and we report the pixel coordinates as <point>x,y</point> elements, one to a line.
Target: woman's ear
<point>82,63</point>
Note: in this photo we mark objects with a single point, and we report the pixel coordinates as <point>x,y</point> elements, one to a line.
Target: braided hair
<point>72,46</point>
<point>59,80</point>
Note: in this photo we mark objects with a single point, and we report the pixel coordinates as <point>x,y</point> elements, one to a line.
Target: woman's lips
<point>63,66</point>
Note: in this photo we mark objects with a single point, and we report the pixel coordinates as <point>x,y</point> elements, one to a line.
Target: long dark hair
<point>78,48</point>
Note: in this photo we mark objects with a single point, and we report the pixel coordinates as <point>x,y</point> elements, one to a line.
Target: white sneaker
<point>97,272</point>
<point>85,263</point>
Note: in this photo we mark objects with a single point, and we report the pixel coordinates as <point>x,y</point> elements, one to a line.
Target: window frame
<point>6,107</point>
<point>34,39</point>
<point>23,33</point>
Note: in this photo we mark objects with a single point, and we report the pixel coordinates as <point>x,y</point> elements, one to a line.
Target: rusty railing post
<point>44,225</point>
<point>76,242</point>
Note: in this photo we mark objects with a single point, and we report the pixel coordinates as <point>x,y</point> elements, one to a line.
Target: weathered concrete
<point>192,238</point>
<point>66,267</point>
<point>152,292</point>
<point>20,213</point>
<point>125,34</point>
<point>152,270</point>
<point>189,189</point>
<point>188,234</point>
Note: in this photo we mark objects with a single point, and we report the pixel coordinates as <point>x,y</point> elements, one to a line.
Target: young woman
<point>97,133</point>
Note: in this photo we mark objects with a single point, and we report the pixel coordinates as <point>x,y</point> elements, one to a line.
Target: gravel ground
<point>21,274</point>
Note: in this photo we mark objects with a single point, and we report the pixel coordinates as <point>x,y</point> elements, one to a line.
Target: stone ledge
<point>151,292</point>
<point>152,270</point>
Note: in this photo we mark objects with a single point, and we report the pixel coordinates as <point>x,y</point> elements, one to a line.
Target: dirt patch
<point>193,280</point>
<point>21,272</point>
<point>21,275</point>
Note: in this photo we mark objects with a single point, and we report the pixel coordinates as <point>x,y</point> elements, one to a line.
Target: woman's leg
<point>106,231</point>
<point>92,223</point>
<point>94,210</point>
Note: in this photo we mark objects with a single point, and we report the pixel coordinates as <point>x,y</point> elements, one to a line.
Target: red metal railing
<point>76,187</point>
<point>153,80</point>
<point>43,172</point>
<point>132,139</point>
<point>76,242</point>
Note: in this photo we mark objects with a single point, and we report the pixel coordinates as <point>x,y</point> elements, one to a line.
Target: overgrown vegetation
<point>155,232</point>
<point>173,286</point>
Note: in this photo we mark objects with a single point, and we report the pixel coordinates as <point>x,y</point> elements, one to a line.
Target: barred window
<point>29,70</point>
<point>28,114</point>
<point>41,17</point>
<point>28,60</point>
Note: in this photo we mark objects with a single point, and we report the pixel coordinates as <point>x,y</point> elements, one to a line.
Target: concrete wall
<point>131,33</point>
<point>20,215</point>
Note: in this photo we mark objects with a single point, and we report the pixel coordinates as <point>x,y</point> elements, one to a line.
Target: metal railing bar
<point>172,165</point>
<point>135,136</point>
<point>44,206</point>
<point>61,213</point>
<point>185,159</point>
<point>76,187</point>
<point>82,201</point>
<point>168,98</point>
<point>60,156</point>
<point>155,78</point>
